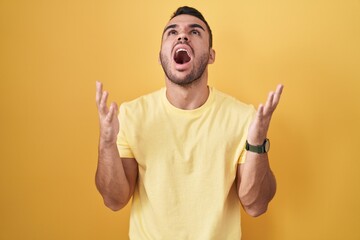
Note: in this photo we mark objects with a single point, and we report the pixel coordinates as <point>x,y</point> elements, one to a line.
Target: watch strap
<point>257,148</point>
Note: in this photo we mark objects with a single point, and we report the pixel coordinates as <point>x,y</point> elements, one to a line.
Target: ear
<point>212,56</point>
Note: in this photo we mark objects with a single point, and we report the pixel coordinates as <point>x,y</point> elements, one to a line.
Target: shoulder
<point>232,104</point>
<point>143,102</point>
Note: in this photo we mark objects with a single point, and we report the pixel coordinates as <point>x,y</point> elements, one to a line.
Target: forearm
<point>255,181</point>
<point>257,185</point>
<point>111,179</point>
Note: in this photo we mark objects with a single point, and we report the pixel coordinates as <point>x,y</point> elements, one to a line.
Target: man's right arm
<point>115,176</point>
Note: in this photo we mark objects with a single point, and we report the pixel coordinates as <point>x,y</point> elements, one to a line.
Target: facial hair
<point>195,74</point>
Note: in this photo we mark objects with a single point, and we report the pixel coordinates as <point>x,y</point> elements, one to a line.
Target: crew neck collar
<point>191,111</point>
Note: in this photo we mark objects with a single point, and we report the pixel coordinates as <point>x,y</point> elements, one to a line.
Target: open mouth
<point>181,56</point>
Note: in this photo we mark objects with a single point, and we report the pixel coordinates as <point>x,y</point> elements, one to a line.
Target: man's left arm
<point>256,183</point>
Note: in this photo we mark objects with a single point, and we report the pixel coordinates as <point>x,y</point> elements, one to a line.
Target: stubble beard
<point>191,78</point>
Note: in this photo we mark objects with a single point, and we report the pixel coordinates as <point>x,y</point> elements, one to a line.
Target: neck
<point>187,97</point>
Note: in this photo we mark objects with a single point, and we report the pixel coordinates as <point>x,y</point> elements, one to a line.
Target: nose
<point>183,38</point>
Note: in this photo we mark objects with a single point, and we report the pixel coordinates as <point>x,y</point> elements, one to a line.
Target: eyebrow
<point>194,25</point>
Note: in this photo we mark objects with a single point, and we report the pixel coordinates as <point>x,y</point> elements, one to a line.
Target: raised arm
<point>115,176</point>
<point>256,183</point>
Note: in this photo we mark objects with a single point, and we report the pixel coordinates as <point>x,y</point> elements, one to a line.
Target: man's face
<point>185,51</point>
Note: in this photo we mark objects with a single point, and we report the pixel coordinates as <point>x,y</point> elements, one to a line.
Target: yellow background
<point>51,53</point>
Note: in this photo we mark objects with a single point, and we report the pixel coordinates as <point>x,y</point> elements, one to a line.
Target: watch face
<point>267,145</point>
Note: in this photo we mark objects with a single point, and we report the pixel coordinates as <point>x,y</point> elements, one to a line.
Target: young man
<point>188,154</point>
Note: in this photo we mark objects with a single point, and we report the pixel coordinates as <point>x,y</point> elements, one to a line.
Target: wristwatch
<point>264,148</point>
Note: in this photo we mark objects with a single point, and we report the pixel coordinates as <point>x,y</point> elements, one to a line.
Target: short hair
<point>193,12</point>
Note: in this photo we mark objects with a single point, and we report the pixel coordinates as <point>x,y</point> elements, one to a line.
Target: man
<point>188,154</point>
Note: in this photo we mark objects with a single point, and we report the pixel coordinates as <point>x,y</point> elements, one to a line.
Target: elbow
<point>255,207</point>
<point>256,204</point>
<point>114,205</point>
<point>113,201</point>
<point>256,210</point>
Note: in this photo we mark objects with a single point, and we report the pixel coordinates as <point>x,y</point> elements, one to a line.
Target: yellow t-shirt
<point>187,166</point>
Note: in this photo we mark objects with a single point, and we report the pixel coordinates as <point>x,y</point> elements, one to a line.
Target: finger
<point>268,105</point>
<point>112,112</point>
<point>260,111</point>
<point>102,107</point>
<point>98,92</point>
<point>277,95</point>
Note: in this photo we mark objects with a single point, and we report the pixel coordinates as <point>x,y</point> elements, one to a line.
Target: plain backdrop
<point>52,52</point>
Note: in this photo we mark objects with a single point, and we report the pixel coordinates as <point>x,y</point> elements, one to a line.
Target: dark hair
<point>193,12</point>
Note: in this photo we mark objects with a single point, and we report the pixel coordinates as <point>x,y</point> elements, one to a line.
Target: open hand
<point>260,125</point>
<point>109,123</point>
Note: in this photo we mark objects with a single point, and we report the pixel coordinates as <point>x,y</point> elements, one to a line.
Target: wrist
<point>106,144</point>
<point>256,140</point>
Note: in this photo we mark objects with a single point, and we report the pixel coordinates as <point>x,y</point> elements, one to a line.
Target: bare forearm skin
<point>257,185</point>
<point>110,178</point>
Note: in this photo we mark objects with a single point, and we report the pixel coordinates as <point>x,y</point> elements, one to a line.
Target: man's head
<point>186,47</point>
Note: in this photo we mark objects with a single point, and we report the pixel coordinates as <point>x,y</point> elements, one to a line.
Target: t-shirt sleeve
<point>250,116</point>
<point>122,141</point>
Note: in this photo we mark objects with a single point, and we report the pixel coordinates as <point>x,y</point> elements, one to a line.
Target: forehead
<point>184,20</point>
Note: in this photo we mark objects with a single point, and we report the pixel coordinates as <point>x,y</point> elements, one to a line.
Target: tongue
<point>181,57</point>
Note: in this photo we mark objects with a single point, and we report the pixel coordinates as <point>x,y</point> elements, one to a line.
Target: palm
<point>259,127</point>
<point>109,123</point>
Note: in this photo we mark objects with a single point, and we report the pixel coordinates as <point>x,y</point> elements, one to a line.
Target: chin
<point>184,82</point>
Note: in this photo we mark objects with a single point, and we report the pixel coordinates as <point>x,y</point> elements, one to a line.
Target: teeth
<point>182,49</point>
